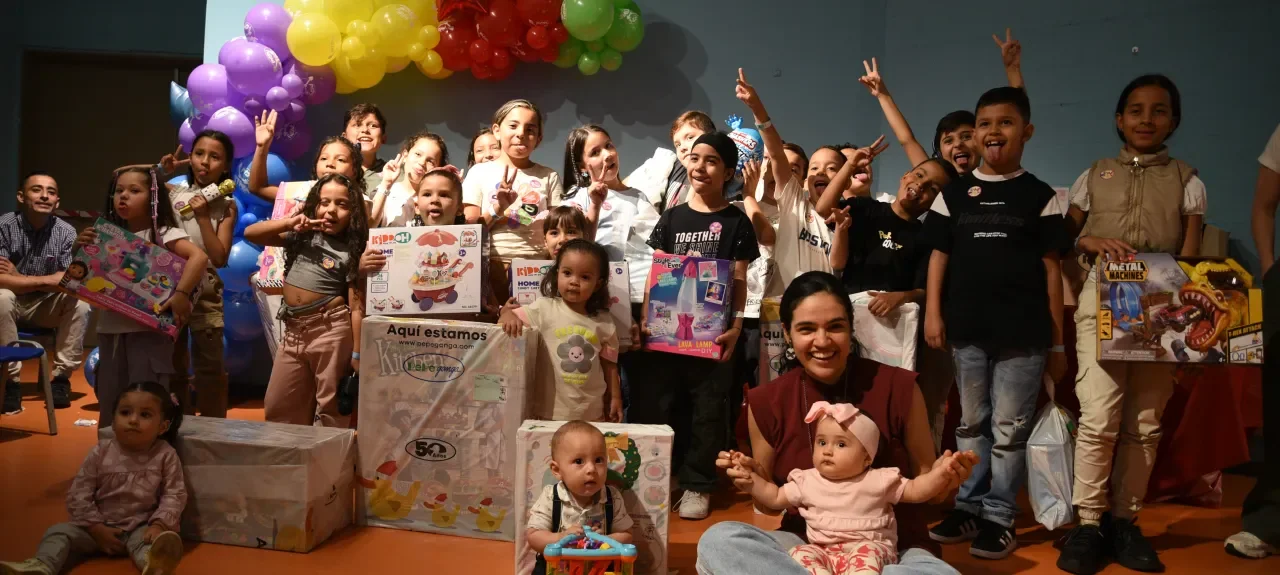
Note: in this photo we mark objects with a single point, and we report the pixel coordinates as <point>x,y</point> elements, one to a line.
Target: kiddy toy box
<point>526,286</point>
<point>690,301</point>
<point>434,270</point>
<point>639,461</point>
<point>440,403</point>
<point>290,197</point>
<point>124,273</point>
<point>1153,307</point>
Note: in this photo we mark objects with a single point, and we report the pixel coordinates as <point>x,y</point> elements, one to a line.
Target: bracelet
<point>765,125</point>
<point>1076,244</point>
<point>355,355</point>
<point>1057,349</point>
<point>186,293</point>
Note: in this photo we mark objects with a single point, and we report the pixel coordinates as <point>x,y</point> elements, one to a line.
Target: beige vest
<point>1138,200</point>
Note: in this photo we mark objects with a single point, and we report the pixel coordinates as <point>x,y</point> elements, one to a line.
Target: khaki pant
<point>204,331</point>
<point>314,356</point>
<point>63,312</point>
<point>1120,408</point>
<point>65,545</point>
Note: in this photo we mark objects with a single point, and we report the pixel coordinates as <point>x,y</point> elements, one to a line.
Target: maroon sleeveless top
<point>882,392</point>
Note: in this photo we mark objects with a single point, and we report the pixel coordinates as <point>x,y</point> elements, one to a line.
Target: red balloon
<point>500,74</point>
<point>538,12</point>
<point>538,37</point>
<point>480,51</point>
<point>499,25</point>
<point>455,42</point>
<point>480,71</point>
<point>500,59</point>
<point>549,54</point>
<point>524,53</point>
<point>558,33</point>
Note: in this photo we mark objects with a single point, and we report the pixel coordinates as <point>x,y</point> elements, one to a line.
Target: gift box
<point>773,345</point>
<point>639,461</point>
<point>126,274</point>
<point>430,270</point>
<point>1158,308</point>
<point>290,196</point>
<point>440,403</point>
<point>526,286</point>
<point>690,300</point>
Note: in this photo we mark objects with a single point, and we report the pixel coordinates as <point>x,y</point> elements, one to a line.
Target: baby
<point>847,505</point>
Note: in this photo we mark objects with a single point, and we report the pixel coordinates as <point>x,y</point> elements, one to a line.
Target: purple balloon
<point>277,99</point>
<point>253,107</point>
<point>291,140</point>
<point>236,126</point>
<point>228,48</point>
<point>292,85</point>
<point>295,112</point>
<point>207,86</point>
<point>267,24</point>
<point>186,135</point>
<point>253,68</point>
<point>318,83</point>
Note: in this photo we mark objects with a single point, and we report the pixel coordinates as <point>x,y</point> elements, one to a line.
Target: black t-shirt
<point>886,252</point>
<point>996,233</point>
<point>723,235</point>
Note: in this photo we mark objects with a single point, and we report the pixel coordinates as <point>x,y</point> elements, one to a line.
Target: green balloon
<point>627,30</point>
<point>595,46</point>
<point>569,52</point>
<point>589,63</point>
<point>587,20</point>
<point>622,3</point>
<point>610,59</point>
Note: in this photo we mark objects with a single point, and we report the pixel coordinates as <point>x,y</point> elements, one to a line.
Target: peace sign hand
<point>391,171</point>
<point>266,128</point>
<point>864,156</point>
<point>506,195</point>
<point>747,93</point>
<point>872,79</point>
<point>171,162</point>
<point>598,188</point>
<point>840,219</point>
<point>1010,49</point>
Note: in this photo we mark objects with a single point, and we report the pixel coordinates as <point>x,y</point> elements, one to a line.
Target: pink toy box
<point>124,273</point>
<point>689,301</point>
<point>289,199</point>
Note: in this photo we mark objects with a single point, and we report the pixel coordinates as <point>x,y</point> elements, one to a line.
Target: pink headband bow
<point>848,417</point>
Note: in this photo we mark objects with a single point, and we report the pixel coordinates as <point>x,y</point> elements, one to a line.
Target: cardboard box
<point>440,403</point>
<point>891,340</point>
<point>1157,308</point>
<point>526,286</point>
<point>290,197</point>
<point>773,345</point>
<point>430,270</point>
<point>690,303</point>
<point>639,466</point>
<point>124,273</point>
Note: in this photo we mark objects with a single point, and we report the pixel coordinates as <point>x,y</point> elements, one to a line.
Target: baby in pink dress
<point>847,505</point>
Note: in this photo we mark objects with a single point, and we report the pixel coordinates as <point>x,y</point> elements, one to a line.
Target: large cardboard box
<point>639,466</point>
<point>1154,307</point>
<point>690,304</point>
<point>440,403</point>
<point>526,286</point>
<point>430,270</point>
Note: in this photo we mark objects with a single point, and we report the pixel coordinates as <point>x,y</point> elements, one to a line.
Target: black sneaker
<point>61,392</point>
<point>12,398</point>
<point>958,526</point>
<point>1082,550</point>
<point>1131,549</point>
<point>994,541</point>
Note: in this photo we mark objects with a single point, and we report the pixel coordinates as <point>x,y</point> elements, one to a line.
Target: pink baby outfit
<point>851,528</point>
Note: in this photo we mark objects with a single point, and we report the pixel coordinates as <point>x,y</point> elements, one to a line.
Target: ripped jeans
<point>998,391</point>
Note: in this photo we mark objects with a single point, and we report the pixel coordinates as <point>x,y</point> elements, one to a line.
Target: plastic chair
<point>27,349</point>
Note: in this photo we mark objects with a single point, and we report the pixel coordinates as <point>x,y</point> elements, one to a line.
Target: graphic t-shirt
<point>804,240</point>
<point>996,229</point>
<point>626,220</point>
<point>112,322</point>
<point>519,232</point>
<point>570,371</point>
<point>885,251</point>
<point>724,235</point>
<point>762,274</point>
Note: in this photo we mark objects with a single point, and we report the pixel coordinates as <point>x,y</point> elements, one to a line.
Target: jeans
<point>313,357</point>
<point>732,548</point>
<point>66,544</point>
<point>998,391</point>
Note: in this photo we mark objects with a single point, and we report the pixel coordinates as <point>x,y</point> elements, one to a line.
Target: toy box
<point>690,302</point>
<point>1155,307</point>
<point>639,466</point>
<point>124,273</point>
<point>290,197</point>
<point>433,270</point>
<point>526,286</point>
<point>440,403</point>
<point>772,343</point>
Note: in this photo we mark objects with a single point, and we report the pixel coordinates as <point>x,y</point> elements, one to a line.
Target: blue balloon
<point>240,315</point>
<point>750,144</point>
<point>242,262</point>
<point>262,211</point>
<point>277,171</point>
<point>237,356</point>
<point>178,180</point>
<point>91,369</point>
<point>180,106</point>
<point>245,221</point>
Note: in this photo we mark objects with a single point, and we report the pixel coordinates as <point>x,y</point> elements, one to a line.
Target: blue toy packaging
<point>690,299</point>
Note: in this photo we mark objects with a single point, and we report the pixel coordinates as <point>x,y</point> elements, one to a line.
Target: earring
<point>789,354</point>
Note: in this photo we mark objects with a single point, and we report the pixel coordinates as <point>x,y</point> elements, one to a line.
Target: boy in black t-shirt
<point>995,292</point>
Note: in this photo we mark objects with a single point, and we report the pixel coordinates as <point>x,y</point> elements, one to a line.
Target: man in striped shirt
<point>35,249</point>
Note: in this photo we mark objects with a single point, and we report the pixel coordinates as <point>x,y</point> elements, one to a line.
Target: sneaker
<point>1131,549</point>
<point>61,392</point>
<point>29,567</point>
<point>165,552</point>
<point>1248,546</point>
<point>12,398</point>
<point>958,526</point>
<point>994,541</point>
<point>1082,550</point>
<point>694,505</point>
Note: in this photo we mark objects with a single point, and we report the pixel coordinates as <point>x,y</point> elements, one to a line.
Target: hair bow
<point>850,418</point>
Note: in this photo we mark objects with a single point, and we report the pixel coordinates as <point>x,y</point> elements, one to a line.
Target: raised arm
<point>772,141</point>
<point>862,157</point>
<point>263,135</point>
<point>765,234</point>
<point>898,122</point>
<point>1011,55</point>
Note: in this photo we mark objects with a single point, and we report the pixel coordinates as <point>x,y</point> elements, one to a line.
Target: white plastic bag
<point>1051,452</point>
<point>890,340</point>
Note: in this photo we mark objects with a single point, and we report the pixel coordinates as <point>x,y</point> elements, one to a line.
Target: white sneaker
<point>1247,545</point>
<point>164,555</point>
<point>694,505</point>
<point>29,567</point>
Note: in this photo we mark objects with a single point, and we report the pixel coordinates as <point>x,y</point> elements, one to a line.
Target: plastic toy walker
<point>590,554</point>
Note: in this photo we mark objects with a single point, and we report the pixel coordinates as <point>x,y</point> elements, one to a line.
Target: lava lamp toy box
<point>124,273</point>
<point>526,286</point>
<point>430,270</point>
<point>690,301</point>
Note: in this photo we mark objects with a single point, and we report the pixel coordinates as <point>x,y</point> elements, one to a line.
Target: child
<point>578,337</point>
<point>129,351</point>
<point>847,505</point>
<point>365,126</point>
<point>128,496</point>
<point>664,178</point>
<point>336,155</point>
<point>324,302</point>
<point>1141,201</point>
<point>484,148</point>
<point>1000,228</point>
<point>511,195</point>
<point>564,224</point>
<point>578,462</point>
<point>421,153</point>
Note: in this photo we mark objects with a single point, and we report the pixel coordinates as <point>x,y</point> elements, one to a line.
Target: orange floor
<point>35,471</point>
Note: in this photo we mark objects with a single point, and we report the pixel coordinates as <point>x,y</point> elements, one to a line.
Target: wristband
<point>355,355</point>
<point>765,125</point>
<point>1057,349</point>
<point>739,315</point>
<point>1076,244</point>
<point>186,293</point>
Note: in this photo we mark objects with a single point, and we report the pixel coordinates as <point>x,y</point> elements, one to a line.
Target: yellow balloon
<point>429,36</point>
<point>397,26</point>
<point>295,7</point>
<point>417,51</point>
<point>442,74</point>
<point>397,64</point>
<point>363,73</point>
<point>342,87</point>
<point>425,10</point>
<point>344,11</point>
<point>367,34</point>
<point>430,64</point>
<point>313,39</point>
<point>353,48</point>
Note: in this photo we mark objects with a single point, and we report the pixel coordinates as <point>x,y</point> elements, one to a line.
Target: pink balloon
<point>236,126</point>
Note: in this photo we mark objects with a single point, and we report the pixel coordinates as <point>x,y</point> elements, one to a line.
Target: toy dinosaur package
<point>526,286</point>
<point>1158,308</point>
<point>690,304</point>
<point>430,270</point>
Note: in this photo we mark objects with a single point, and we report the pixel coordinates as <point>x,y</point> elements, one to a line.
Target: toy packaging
<point>268,310</point>
<point>431,270</point>
<point>440,403</point>
<point>124,273</point>
<point>690,301</point>
<point>1155,307</point>
<point>290,197</point>
<point>772,343</point>
<point>526,286</point>
<point>639,461</point>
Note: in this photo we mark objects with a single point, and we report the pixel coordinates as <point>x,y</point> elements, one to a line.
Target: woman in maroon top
<point>817,321</point>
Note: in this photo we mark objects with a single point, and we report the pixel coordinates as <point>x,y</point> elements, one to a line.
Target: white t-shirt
<point>762,269</point>
<point>519,235</point>
<point>626,220</point>
<point>1193,195</point>
<point>398,210</point>
<point>804,241</point>
<point>112,322</point>
<point>886,198</point>
<point>1270,157</point>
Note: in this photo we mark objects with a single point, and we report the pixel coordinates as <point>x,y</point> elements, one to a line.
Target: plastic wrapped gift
<point>891,339</point>
<point>440,403</point>
<point>268,308</point>
<point>639,466</point>
<point>290,197</point>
